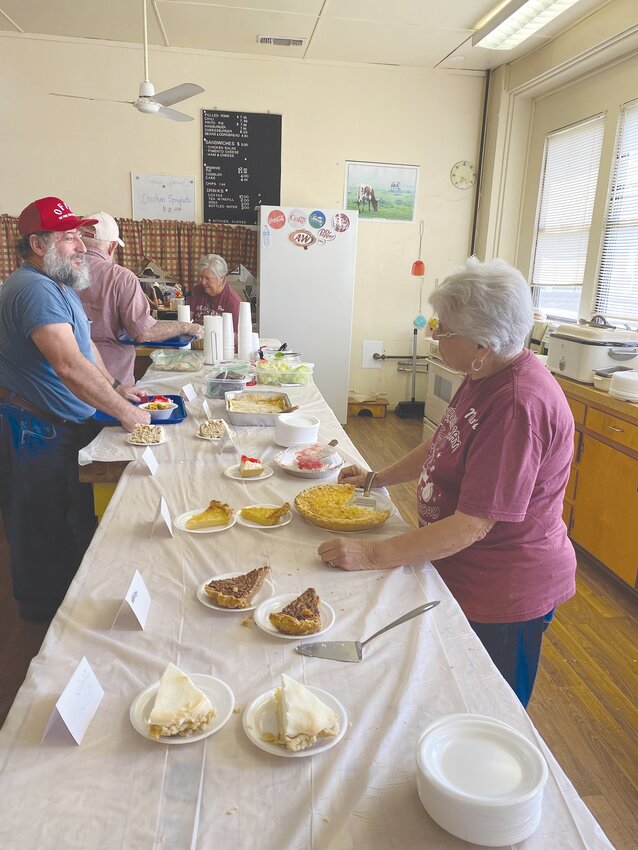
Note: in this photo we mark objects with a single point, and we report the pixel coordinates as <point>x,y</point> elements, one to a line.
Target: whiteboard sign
<point>163,196</point>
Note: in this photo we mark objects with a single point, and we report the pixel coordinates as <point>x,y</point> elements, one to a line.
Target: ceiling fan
<point>148,101</point>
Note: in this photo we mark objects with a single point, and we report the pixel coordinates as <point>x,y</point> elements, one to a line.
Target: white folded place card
<point>76,705</point>
<point>134,609</point>
<point>148,457</point>
<point>189,392</point>
<point>162,517</point>
<point>206,410</point>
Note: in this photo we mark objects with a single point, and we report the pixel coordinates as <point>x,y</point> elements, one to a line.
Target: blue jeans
<point>48,514</point>
<point>515,648</point>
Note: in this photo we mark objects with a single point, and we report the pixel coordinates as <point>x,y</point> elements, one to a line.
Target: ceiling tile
<point>450,14</point>
<point>306,7</point>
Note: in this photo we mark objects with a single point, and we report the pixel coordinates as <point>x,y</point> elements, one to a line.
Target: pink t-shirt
<point>503,452</point>
<point>115,302</point>
<point>202,304</point>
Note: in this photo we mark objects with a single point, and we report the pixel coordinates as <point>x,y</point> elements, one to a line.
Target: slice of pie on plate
<point>299,617</point>
<point>301,716</point>
<point>180,708</point>
<point>265,516</point>
<point>217,513</point>
<point>239,591</point>
<point>249,467</point>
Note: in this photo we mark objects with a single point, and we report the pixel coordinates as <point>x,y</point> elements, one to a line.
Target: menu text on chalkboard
<point>241,160</point>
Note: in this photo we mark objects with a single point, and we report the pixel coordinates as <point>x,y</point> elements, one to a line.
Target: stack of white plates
<point>480,780</point>
<point>624,385</point>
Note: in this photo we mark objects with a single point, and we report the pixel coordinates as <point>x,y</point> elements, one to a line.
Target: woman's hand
<point>348,554</point>
<point>352,475</point>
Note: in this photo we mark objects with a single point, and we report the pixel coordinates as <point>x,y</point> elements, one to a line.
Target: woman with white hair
<point>212,295</point>
<point>492,478</point>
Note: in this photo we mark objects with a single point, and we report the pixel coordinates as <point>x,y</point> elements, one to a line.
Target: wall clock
<point>463,174</point>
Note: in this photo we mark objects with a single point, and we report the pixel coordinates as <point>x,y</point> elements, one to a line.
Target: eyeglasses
<point>437,334</point>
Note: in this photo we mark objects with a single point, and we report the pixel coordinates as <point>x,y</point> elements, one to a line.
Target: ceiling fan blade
<point>173,114</point>
<point>80,97</point>
<point>177,93</point>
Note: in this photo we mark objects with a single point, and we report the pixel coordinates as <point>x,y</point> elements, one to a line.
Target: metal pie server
<point>352,650</point>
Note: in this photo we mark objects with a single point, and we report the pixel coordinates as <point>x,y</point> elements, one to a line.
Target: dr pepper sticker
<point>302,238</point>
<point>316,219</point>
<point>276,219</point>
<point>340,222</point>
<point>325,235</point>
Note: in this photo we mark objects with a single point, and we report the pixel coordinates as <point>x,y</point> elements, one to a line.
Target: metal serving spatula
<point>352,650</point>
<point>364,499</point>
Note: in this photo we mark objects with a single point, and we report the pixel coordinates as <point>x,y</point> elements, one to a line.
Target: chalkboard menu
<point>241,160</point>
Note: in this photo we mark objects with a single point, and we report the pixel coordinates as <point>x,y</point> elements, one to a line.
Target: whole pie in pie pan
<point>333,506</point>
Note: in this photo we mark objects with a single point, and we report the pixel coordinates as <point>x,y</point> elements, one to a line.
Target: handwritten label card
<point>162,518</point>
<point>150,460</point>
<point>135,606</point>
<point>189,392</point>
<point>77,705</point>
<point>206,410</point>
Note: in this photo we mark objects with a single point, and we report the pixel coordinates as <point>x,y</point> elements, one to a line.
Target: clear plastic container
<point>227,380</point>
<point>284,373</point>
<point>177,361</point>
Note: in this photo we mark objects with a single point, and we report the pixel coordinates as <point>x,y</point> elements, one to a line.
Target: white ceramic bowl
<point>602,383</point>
<point>624,385</point>
<point>159,415</point>
<point>296,428</point>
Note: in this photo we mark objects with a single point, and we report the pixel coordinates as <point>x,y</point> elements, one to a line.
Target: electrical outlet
<point>370,347</point>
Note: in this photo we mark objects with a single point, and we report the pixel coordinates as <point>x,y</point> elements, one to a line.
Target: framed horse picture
<point>380,191</point>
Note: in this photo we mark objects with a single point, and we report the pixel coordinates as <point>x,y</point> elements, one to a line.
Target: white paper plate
<point>277,603</point>
<point>260,717</point>
<point>233,472</point>
<point>479,760</point>
<point>217,692</point>
<point>229,435</point>
<point>623,396</point>
<point>265,592</point>
<point>180,522</point>
<point>285,519</point>
<point>145,445</point>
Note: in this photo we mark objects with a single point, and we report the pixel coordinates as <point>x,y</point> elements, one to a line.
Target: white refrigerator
<point>306,290</point>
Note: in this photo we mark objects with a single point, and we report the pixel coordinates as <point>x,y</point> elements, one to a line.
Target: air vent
<point>278,41</point>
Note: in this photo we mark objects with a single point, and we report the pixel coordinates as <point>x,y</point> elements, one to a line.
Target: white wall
<point>84,151</point>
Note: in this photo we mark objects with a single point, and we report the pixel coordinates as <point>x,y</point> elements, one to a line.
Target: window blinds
<point>566,202</point>
<point>616,292</point>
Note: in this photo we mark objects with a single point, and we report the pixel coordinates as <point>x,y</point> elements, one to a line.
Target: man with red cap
<point>52,379</point>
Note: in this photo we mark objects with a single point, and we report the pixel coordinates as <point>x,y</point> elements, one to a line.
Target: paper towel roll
<point>229,336</point>
<point>183,313</point>
<point>218,330</point>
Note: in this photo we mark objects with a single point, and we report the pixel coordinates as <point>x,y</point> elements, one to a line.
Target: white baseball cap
<point>105,228</point>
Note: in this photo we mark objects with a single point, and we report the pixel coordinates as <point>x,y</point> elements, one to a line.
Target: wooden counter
<point>601,501</point>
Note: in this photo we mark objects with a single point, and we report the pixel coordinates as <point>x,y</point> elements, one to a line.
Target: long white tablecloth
<point>120,790</point>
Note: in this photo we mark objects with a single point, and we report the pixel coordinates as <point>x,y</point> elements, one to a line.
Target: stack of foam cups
<point>244,331</point>
<point>184,315</point>
<point>229,336</point>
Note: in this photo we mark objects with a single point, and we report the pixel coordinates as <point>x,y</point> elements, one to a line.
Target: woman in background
<point>213,295</point>
<point>492,478</point>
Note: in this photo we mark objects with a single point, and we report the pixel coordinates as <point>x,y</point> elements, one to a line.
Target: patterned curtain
<point>9,236</point>
<point>176,246</point>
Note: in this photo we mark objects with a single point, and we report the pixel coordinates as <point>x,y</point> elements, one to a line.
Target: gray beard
<point>61,270</point>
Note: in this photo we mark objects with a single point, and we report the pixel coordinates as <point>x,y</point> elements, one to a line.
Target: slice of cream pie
<point>301,716</point>
<point>180,708</point>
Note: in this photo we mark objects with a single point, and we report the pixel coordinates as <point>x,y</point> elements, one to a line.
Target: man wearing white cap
<point>115,302</point>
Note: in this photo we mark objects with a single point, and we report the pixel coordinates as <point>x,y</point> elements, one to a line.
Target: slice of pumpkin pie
<point>299,617</point>
<point>238,591</point>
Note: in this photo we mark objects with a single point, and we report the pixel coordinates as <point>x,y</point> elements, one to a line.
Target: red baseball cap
<point>47,214</point>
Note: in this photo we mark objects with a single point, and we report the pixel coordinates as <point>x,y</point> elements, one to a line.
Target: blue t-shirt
<point>28,300</point>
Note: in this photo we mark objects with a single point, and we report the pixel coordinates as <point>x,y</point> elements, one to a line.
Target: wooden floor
<point>585,703</point>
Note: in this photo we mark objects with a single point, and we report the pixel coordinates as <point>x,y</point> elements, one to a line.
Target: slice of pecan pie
<point>300,617</point>
<point>239,591</point>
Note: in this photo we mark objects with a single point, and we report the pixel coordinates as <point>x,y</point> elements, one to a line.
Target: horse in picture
<point>366,196</point>
<point>395,186</point>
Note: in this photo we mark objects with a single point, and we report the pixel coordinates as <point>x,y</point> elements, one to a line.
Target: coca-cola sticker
<point>297,218</point>
<point>276,219</point>
<point>302,238</point>
<point>340,222</point>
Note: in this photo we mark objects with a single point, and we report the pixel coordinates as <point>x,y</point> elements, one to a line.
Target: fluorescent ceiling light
<point>517,21</point>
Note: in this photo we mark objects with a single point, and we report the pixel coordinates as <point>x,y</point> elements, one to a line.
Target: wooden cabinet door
<point>605,516</point>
